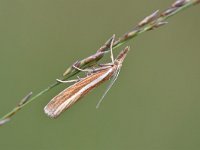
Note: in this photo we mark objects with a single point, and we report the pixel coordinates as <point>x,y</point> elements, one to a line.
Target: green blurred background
<point>154,105</point>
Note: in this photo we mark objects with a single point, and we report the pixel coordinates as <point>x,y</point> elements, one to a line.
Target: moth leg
<point>111,50</point>
<point>111,54</point>
<point>68,81</point>
<point>84,70</point>
<point>103,65</point>
<point>78,78</point>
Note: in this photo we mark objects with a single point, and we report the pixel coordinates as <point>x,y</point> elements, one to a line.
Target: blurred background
<point>153,105</point>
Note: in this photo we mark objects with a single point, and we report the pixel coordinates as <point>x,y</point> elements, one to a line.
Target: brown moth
<point>75,92</point>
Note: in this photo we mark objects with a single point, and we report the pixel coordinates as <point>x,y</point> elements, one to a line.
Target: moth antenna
<point>114,78</point>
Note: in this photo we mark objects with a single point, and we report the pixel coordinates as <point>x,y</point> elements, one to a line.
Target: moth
<point>76,91</point>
